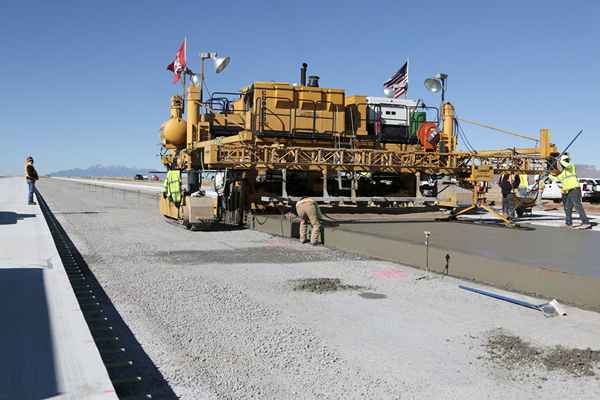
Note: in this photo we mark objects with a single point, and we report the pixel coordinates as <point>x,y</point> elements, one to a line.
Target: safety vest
<point>523,183</point>
<point>173,185</point>
<point>567,178</point>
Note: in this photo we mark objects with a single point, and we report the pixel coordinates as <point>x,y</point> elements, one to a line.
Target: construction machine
<point>272,143</point>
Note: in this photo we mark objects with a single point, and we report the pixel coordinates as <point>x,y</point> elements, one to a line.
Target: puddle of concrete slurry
<point>321,285</point>
<point>372,296</point>
<point>511,351</point>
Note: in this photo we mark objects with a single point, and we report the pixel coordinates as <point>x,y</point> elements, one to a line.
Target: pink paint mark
<point>389,273</point>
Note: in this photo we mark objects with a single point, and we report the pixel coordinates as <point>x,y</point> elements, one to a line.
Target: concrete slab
<point>46,347</point>
<point>119,185</point>
<point>544,261</point>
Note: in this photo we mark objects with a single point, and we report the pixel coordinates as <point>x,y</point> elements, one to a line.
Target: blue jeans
<point>31,184</point>
<point>573,200</point>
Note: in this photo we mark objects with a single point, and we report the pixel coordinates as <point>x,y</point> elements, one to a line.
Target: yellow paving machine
<point>272,143</point>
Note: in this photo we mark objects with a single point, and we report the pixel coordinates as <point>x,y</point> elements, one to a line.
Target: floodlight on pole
<point>437,83</point>
<point>220,64</point>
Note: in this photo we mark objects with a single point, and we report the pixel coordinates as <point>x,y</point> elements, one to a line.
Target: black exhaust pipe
<point>313,81</point>
<point>303,74</point>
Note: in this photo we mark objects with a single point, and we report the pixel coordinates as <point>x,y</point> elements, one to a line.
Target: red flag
<point>178,66</point>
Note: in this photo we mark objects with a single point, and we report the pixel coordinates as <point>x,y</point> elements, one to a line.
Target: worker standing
<point>172,186</point>
<point>572,192</point>
<point>523,186</point>
<point>31,176</point>
<point>508,184</point>
<point>308,211</point>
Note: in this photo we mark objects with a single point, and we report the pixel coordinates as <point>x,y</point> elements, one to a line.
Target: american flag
<point>398,82</point>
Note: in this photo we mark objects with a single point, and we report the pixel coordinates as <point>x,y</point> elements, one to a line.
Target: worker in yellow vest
<point>572,193</point>
<point>523,185</point>
<point>172,186</point>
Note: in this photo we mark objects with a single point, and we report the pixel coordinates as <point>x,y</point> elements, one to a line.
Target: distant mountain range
<point>104,170</point>
<point>587,171</point>
<point>583,171</point>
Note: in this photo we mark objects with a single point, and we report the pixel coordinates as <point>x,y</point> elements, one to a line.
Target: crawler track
<point>98,312</point>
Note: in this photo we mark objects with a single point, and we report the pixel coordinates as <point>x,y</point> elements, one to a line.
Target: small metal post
<point>427,236</point>
<point>427,275</point>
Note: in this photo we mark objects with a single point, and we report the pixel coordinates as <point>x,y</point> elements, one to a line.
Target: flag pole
<point>184,71</point>
<point>407,76</point>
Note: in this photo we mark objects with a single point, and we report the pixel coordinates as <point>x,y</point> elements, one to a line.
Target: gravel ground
<point>221,315</point>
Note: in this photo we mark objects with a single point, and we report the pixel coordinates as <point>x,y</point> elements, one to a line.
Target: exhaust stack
<point>303,74</point>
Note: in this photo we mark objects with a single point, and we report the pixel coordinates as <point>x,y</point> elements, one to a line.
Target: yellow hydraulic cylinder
<point>193,103</point>
<point>448,131</point>
<point>545,146</point>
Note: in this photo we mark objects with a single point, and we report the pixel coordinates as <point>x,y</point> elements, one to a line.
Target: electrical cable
<point>464,137</point>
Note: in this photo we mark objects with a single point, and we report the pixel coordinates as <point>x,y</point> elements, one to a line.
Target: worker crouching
<point>308,212</point>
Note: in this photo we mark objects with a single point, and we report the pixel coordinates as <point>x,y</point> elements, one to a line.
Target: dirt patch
<point>321,285</point>
<point>511,351</point>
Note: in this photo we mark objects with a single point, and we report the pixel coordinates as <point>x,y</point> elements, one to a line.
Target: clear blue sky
<point>84,82</point>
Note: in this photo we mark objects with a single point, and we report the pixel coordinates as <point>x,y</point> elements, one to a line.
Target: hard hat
<point>29,158</point>
<point>565,160</point>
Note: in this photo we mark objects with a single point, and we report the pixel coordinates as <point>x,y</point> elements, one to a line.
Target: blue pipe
<point>500,297</point>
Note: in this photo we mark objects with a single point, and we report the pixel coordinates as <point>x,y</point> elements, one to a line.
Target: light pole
<point>437,83</point>
<point>220,64</point>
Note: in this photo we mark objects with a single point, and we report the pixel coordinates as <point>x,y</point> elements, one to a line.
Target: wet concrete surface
<point>553,248</point>
<point>544,261</point>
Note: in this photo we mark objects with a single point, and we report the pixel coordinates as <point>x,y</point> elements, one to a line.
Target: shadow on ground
<point>27,368</point>
<point>11,218</point>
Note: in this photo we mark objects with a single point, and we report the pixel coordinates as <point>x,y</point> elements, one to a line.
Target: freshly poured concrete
<point>46,349</point>
<point>561,250</point>
<point>545,261</point>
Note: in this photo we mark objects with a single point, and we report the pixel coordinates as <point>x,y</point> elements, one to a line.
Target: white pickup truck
<point>590,190</point>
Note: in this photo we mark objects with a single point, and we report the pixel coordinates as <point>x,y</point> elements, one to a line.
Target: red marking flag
<point>178,66</point>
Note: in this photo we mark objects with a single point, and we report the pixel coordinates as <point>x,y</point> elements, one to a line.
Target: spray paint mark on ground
<point>389,273</point>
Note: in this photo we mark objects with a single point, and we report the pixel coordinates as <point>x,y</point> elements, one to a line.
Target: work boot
<point>304,241</point>
<point>315,243</point>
